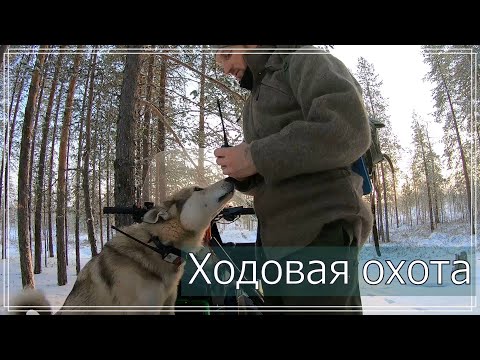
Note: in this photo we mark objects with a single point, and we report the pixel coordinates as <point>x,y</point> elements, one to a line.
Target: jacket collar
<point>258,63</point>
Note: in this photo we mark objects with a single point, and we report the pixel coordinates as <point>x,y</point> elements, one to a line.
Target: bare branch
<point>220,84</point>
<point>164,119</point>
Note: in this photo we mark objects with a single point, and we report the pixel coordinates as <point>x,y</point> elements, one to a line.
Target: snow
<point>451,239</point>
<point>375,300</point>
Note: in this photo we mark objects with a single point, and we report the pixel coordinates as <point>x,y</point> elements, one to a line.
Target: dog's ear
<point>156,214</point>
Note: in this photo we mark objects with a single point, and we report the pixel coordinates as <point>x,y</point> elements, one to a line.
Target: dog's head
<point>188,212</point>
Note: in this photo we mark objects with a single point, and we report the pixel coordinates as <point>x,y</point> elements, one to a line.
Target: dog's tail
<point>31,302</point>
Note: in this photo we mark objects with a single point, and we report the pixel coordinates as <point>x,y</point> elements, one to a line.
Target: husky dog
<point>126,274</point>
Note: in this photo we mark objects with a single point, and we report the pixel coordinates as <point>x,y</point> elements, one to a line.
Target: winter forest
<point>85,127</point>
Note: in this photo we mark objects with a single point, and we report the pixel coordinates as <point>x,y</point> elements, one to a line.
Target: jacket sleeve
<point>249,185</point>
<point>334,129</point>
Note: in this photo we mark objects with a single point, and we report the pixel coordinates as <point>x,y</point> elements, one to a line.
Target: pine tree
<point>25,66</point>
<point>448,73</point>
<point>43,151</point>
<point>377,108</point>
<point>125,145</point>
<point>62,169</point>
<point>86,161</point>
<point>419,140</point>
<point>23,177</point>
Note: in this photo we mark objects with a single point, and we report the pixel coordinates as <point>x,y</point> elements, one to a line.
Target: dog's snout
<point>226,190</point>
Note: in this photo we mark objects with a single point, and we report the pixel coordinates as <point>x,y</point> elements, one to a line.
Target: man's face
<point>232,60</point>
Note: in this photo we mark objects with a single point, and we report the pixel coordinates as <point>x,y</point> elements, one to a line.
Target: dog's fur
<point>127,274</point>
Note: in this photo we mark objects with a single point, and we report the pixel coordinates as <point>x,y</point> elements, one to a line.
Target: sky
<point>402,70</point>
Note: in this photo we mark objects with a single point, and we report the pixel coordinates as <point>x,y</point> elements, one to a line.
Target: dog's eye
<point>196,188</point>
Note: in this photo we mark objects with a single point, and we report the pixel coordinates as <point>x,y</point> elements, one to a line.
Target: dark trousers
<point>338,234</point>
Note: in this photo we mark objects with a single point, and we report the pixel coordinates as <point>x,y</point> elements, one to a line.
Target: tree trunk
<point>108,189</point>
<point>93,160</point>
<point>50,179</point>
<point>372,204</point>
<point>86,164</point>
<point>417,205</point>
<point>66,196</point>
<point>146,131</point>
<point>462,154</point>
<point>411,216</point>
<point>442,211</point>
<point>379,207</point>
<point>98,155</point>
<point>5,174</point>
<point>161,171</point>
<point>61,182</point>
<point>429,194</point>
<point>78,174</point>
<point>5,153</point>
<point>23,180</point>
<point>45,227</point>
<point>37,266</point>
<point>434,188</point>
<point>201,127</point>
<point>100,194</point>
<point>124,191</point>
<point>387,231</point>
<point>43,150</point>
<point>394,185</point>
<point>454,207</point>
<point>138,141</point>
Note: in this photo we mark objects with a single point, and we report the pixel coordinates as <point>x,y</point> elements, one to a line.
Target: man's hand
<point>236,161</point>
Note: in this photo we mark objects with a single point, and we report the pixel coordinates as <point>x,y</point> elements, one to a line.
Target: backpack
<point>365,164</point>
<point>364,167</point>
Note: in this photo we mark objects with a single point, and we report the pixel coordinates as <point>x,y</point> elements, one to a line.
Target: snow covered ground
<point>376,300</point>
<point>444,240</point>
